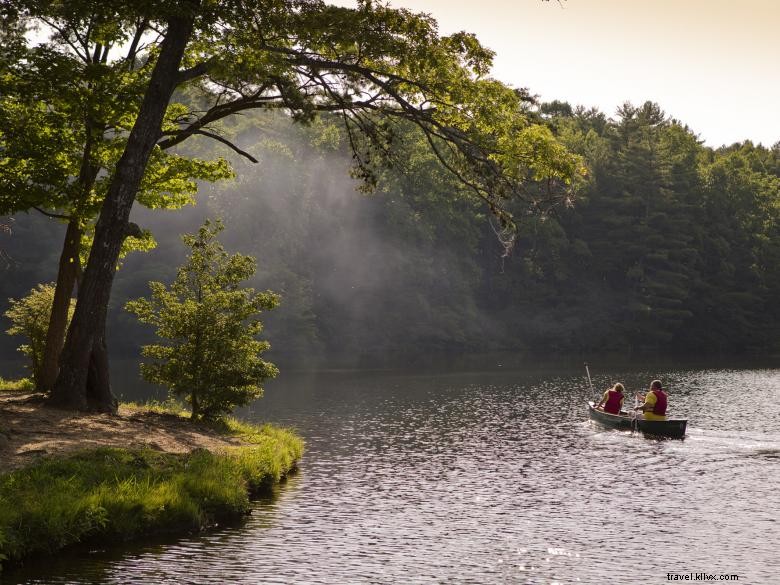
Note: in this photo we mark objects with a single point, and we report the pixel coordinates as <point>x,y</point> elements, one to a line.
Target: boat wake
<point>749,443</point>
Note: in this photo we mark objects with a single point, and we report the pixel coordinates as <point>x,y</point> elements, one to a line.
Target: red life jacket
<point>660,403</point>
<point>613,402</point>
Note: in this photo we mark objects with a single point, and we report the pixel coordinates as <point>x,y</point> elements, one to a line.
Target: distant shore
<point>68,477</point>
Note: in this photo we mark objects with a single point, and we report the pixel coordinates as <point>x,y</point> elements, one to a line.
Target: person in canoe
<point>654,402</point>
<point>612,400</point>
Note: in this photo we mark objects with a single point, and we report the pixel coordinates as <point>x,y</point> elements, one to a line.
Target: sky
<point>712,64</point>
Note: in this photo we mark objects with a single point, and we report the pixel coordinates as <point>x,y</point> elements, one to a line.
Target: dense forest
<point>668,246</point>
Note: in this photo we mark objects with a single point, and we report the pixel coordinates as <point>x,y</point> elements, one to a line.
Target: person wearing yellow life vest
<point>612,400</point>
<point>654,402</point>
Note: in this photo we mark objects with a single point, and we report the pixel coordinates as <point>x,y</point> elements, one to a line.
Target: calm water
<point>490,478</point>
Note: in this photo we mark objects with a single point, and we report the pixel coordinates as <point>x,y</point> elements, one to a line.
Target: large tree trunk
<point>83,380</point>
<point>67,274</point>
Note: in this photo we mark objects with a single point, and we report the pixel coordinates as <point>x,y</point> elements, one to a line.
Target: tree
<point>210,324</point>
<point>737,289</point>
<point>373,65</point>
<point>65,111</point>
<point>30,317</point>
<point>348,265</point>
<point>5,261</point>
<point>645,183</point>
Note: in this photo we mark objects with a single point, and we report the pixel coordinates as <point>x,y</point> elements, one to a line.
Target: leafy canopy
<point>374,66</point>
<point>67,103</point>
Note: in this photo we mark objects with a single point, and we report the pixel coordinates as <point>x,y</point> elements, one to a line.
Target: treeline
<point>669,246</point>
<point>672,245</point>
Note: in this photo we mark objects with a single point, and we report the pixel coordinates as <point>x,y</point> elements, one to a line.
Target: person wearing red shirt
<point>612,400</point>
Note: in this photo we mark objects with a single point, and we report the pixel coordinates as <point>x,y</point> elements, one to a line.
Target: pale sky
<point>713,64</point>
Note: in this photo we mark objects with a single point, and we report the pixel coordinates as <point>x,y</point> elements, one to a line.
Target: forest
<point>667,246</point>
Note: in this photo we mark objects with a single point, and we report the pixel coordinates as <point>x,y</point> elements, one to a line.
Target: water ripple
<point>481,479</point>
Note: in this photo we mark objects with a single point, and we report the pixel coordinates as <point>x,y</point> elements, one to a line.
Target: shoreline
<point>144,471</point>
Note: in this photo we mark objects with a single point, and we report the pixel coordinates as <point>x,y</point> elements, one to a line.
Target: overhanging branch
<point>193,72</point>
<point>50,214</point>
<point>227,143</point>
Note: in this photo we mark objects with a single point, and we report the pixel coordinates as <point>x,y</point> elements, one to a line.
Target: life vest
<point>660,402</point>
<point>612,405</point>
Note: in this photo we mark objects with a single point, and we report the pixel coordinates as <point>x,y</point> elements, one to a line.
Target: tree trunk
<point>83,381</point>
<point>70,264</point>
<point>99,395</point>
<point>195,405</point>
<point>67,274</point>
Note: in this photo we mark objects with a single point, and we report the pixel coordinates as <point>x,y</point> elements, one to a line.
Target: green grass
<point>120,494</point>
<point>169,406</point>
<point>273,450</point>
<point>21,385</point>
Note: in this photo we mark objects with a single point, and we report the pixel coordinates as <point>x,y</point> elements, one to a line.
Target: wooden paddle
<point>587,371</point>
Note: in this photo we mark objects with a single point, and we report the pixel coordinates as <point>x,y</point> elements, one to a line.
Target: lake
<point>490,477</point>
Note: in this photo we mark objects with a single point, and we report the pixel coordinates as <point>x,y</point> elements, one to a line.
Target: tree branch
<point>83,56</point>
<point>132,230</point>
<point>319,63</point>
<point>227,143</point>
<point>193,72</point>
<point>133,49</point>
<point>50,214</point>
<point>319,81</point>
<point>212,115</point>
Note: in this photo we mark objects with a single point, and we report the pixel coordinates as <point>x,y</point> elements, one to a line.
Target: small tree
<point>30,317</point>
<point>209,323</point>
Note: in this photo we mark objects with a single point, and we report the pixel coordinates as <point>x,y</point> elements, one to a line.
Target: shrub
<point>20,385</point>
<point>208,323</point>
<point>30,318</point>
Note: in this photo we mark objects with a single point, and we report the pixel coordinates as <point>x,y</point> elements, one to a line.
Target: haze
<point>710,63</point>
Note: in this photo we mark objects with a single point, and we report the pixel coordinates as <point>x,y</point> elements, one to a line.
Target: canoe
<point>673,428</point>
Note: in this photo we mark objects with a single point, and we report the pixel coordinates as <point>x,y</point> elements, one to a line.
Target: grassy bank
<point>115,494</point>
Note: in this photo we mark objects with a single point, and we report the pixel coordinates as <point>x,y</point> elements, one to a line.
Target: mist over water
<point>490,476</point>
<point>365,280</point>
<point>415,271</point>
<point>362,277</point>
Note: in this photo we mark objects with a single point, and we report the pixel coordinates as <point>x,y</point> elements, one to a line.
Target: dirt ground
<point>29,430</point>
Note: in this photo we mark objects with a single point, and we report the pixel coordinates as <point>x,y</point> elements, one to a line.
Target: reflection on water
<point>489,477</point>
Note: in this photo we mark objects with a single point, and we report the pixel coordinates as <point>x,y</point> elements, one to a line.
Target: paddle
<point>587,371</point>
<point>634,424</point>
